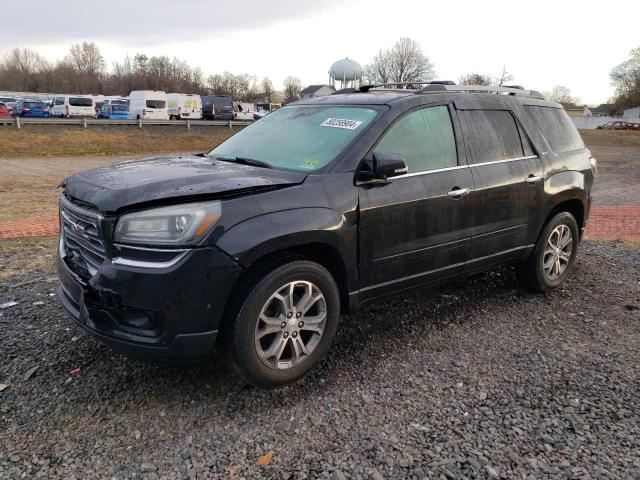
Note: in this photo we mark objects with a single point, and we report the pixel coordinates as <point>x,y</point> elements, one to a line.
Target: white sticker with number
<point>341,123</point>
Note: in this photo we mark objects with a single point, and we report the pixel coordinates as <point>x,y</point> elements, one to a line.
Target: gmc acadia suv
<point>317,209</point>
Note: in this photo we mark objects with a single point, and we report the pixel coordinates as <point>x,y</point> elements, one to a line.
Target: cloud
<point>145,22</point>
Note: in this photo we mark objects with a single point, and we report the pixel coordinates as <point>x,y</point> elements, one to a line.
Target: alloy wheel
<point>557,252</point>
<point>291,324</point>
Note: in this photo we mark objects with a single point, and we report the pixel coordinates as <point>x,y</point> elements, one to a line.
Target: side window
<point>424,138</point>
<point>490,135</point>
<point>59,100</point>
<point>557,128</point>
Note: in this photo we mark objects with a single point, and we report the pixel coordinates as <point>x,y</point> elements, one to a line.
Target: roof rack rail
<point>437,88</point>
<point>366,88</point>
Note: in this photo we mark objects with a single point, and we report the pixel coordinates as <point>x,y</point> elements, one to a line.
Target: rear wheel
<point>553,255</point>
<point>284,324</point>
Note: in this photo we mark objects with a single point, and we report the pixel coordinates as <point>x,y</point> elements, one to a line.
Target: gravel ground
<point>474,379</point>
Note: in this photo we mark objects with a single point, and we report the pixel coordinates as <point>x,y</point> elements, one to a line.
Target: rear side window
<point>59,100</point>
<point>490,135</point>
<point>557,128</point>
<point>156,104</point>
<point>80,102</point>
<point>424,138</point>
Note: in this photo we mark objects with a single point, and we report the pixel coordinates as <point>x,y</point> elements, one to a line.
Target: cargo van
<point>184,105</point>
<point>73,106</point>
<point>217,107</point>
<point>148,104</point>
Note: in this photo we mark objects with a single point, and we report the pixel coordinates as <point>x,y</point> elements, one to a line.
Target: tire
<point>264,324</point>
<point>553,256</point>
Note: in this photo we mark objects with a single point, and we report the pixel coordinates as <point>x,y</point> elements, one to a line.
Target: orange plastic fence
<point>620,221</point>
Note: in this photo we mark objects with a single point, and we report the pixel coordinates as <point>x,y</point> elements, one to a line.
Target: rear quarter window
<point>156,104</point>
<point>556,127</point>
<point>490,135</point>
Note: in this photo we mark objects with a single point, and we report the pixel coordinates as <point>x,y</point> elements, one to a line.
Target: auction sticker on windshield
<point>341,123</point>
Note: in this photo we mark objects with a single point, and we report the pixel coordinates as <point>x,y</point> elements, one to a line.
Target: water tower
<point>347,72</point>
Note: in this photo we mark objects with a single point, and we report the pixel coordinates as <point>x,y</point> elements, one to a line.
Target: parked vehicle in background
<point>73,106</point>
<point>148,105</point>
<point>633,126</point>
<point>4,110</point>
<point>115,110</point>
<point>184,106</point>
<point>323,206</point>
<point>217,107</point>
<point>10,102</point>
<point>617,125</point>
<point>243,111</point>
<point>31,108</point>
<point>263,109</point>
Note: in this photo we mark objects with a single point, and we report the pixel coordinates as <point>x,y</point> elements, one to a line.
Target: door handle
<point>531,179</point>
<point>456,193</point>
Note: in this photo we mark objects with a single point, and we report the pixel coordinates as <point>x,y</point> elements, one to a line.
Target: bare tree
<point>22,68</point>
<point>475,79</point>
<point>292,87</point>
<point>503,78</point>
<point>87,62</point>
<point>561,94</point>
<point>403,62</point>
<point>267,88</point>
<point>626,78</point>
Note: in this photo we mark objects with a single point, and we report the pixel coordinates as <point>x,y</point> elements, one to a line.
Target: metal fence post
<point>140,123</point>
<point>188,124</point>
<point>84,122</point>
<point>18,122</point>
<point>230,124</point>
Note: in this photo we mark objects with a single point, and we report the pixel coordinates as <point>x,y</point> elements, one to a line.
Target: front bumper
<point>167,315</point>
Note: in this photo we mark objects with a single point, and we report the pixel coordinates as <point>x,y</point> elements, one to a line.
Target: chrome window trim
<point>457,167</point>
<point>529,157</point>
<point>426,172</point>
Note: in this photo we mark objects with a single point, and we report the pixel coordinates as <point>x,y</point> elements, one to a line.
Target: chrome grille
<point>81,240</point>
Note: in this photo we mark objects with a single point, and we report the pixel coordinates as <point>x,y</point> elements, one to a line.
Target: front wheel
<point>285,324</point>
<point>553,256</point>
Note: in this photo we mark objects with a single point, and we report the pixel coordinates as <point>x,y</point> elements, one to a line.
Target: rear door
<point>503,170</point>
<point>412,229</point>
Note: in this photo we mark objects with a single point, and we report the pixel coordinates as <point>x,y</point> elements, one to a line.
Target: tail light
<point>179,110</point>
<point>144,112</point>
<point>66,109</point>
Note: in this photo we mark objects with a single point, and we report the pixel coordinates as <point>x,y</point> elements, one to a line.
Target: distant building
<point>631,113</point>
<point>602,110</point>
<point>574,110</point>
<point>316,91</point>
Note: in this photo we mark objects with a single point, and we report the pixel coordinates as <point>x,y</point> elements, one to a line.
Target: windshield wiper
<point>246,161</point>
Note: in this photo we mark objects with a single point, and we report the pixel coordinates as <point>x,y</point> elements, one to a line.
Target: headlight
<point>177,224</point>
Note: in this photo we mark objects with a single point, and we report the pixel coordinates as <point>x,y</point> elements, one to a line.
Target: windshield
<point>301,138</point>
<point>156,104</point>
<point>119,108</point>
<point>80,102</point>
<point>33,105</point>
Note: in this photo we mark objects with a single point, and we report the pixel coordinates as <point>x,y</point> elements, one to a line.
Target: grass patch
<point>611,137</point>
<point>60,141</point>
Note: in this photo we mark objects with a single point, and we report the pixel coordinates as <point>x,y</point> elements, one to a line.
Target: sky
<point>542,43</point>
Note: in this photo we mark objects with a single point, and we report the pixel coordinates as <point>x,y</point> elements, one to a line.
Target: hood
<point>113,187</point>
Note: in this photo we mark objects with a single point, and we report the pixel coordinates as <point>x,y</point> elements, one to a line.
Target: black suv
<point>318,208</point>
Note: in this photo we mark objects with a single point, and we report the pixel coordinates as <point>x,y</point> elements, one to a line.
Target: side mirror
<point>382,166</point>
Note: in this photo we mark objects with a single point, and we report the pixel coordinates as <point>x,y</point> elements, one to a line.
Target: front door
<point>416,228</point>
